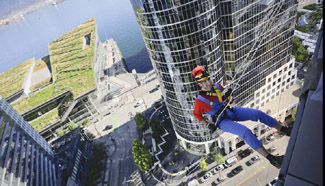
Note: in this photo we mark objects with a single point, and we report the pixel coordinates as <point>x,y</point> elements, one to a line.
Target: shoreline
<point>18,15</point>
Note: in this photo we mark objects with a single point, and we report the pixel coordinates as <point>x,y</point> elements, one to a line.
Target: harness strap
<point>205,100</point>
<point>216,93</point>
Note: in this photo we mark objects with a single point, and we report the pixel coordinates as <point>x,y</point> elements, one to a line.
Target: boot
<point>276,161</point>
<point>286,130</point>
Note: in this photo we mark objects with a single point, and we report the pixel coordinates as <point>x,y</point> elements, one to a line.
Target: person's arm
<point>204,122</point>
<point>198,111</point>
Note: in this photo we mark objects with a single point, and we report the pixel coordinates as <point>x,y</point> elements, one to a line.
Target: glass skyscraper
<point>180,35</point>
<point>25,157</point>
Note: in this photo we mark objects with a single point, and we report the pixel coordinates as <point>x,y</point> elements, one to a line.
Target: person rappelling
<point>211,100</point>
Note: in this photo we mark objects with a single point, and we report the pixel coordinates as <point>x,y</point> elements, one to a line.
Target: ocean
<point>29,37</point>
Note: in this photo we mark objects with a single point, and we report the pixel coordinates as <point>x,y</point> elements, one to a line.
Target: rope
<point>246,65</point>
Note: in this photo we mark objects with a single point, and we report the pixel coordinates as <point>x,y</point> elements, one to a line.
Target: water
<point>29,37</point>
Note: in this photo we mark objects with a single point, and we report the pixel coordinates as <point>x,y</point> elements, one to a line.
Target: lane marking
<point>254,173</point>
<point>260,169</point>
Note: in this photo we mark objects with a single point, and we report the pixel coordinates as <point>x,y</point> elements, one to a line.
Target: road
<point>118,140</point>
<point>120,163</point>
<point>260,173</point>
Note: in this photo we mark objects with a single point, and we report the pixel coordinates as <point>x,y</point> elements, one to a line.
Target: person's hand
<point>212,127</point>
<point>228,92</point>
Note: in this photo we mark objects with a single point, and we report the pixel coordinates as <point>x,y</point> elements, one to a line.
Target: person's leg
<point>244,114</point>
<point>246,134</point>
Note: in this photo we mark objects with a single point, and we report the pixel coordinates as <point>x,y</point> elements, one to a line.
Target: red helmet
<point>200,73</point>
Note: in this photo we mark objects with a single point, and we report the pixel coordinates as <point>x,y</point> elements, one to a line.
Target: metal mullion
<point>15,153</point>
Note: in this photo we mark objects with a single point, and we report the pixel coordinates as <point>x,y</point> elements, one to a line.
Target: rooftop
<point>10,85</point>
<point>71,62</point>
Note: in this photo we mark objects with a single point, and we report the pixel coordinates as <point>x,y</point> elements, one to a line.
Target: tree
<point>72,126</point>
<point>298,50</point>
<point>293,114</point>
<point>218,158</point>
<point>140,121</point>
<point>85,122</point>
<point>203,164</point>
<point>90,135</point>
<point>141,156</point>
<point>157,129</point>
<point>59,132</point>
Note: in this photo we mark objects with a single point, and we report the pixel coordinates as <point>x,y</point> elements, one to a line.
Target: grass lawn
<point>71,65</point>
<point>12,80</point>
<point>45,120</point>
<point>27,103</point>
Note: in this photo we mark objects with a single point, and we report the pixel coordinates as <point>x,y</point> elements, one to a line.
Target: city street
<point>260,173</point>
<point>118,139</point>
<point>120,163</point>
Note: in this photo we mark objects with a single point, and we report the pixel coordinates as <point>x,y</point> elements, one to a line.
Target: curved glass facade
<point>270,23</point>
<point>179,36</point>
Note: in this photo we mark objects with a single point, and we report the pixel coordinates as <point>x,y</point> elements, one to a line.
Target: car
<point>252,160</point>
<point>138,103</point>
<point>206,176</point>
<point>231,161</point>
<point>271,149</point>
<point>217,169</point>
<point>270,137</point>
<point>153,90</point>
<point>273,182</point>
<point>221,178</point>
<point>236,170</point>
<point>244,153</point>
<point>108,127</point>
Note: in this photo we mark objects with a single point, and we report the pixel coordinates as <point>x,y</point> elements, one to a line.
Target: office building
<point>25,157</point>
<point>240,41</point>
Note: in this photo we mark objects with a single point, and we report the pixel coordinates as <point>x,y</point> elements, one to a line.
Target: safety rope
<point>247,61</point>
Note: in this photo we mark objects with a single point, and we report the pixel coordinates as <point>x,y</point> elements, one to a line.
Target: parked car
<point>270,137</point>
<point>231,161</point>
<point>236,170</point>
<point>218,180</point>
<point>221,178</point>
<point>252,160</point>
<point>271,149</point>
<point>108,127</point>
<point>217,169</point>
<point>273,182</point>
<point>138,103</point>
<point>244,153</point>
<point>153,90</point>
<point>206,176</point>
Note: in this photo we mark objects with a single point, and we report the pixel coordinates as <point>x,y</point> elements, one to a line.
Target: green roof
<point>71,64</point>
<point>45,120</point>
<point>12,80</point>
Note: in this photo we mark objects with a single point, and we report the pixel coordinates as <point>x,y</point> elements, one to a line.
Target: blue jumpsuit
<point>227,123</point>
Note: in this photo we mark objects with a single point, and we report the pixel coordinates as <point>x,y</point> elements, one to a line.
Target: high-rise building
<point>25,157</point>
<point>240,41</point>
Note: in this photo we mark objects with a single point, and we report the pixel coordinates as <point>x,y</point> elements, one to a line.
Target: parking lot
<point>260,172</point>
